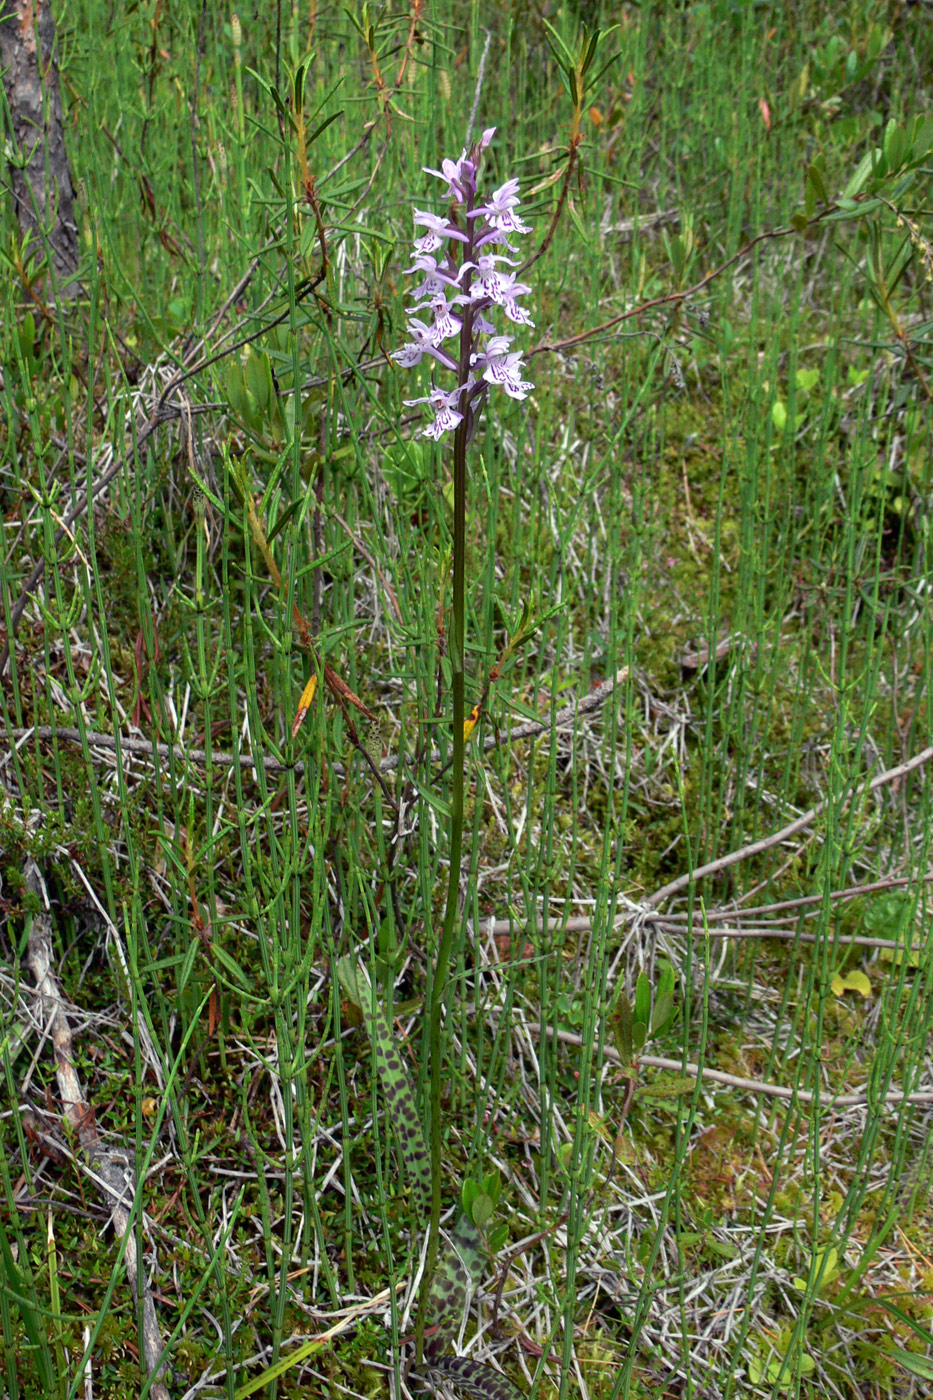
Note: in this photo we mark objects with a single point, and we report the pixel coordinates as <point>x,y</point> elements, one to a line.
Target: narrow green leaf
<point>497,1236</point>
<point>894,144</point>
<point>666,1088</point>
<point>590,51</point>
<point>322,126</point>
<point>259,380</point>
<point>667,977</point>
<point>359,25</point>
<point>346,976</point>
<point>20,1291</point>
<point>923,1333</point>
<point>283,519</point>
<point>916,1365</point>
<point>483,1208</point>
<point>860,178</point>
<point>853,208</point>
<point>468,1194</point>
<point>235,386</point>
<point>643,999</point>
<point>492,1185</point>
<point>662,1013</point>
<point>431,798</point>
<point>558,47</point>
<point>815,178</point>
<point>623,1029</point>
<point>231,966</point>
<point>188,964</point>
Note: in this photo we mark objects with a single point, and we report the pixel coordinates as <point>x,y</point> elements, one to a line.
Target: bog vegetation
<point>466,905</point>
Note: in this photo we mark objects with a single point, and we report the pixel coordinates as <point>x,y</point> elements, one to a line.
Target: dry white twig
<point>112,1170</point>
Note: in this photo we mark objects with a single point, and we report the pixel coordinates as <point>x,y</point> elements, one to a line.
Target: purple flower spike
<point>472,280</point>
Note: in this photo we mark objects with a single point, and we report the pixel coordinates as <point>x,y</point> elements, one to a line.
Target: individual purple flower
<point>408,355</point>
<point>461,174</point>
<point>504,367</point>
<point>446,416</point>
<point>436,280</point>
<point>446,324</point>
<point>452,172</point>
<point>510,306</point>
<point>499,210</point>
<point>439,230</point>
<point>423,342</point>
<point>488,281</point>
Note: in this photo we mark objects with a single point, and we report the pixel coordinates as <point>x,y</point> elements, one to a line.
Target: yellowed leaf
<point>304,704</point>
<point>852,982</point>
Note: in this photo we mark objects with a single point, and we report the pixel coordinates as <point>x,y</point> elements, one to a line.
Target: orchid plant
<point>464,263</point>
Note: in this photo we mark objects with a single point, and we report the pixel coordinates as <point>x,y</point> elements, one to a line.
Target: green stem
<point>451,910</point>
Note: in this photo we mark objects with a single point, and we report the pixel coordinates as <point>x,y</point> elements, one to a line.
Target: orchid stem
<point>452,907</point>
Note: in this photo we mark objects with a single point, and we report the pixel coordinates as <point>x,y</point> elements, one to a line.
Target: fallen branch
<point>860,1099</point>
<point>149,747</point>
<point>766,843</point>
<point>112,1170</point>
<point>807,906</point>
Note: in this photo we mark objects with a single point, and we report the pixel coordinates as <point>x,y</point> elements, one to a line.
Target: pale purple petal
<point>489,282</point>
<point>436,281</point>
<point>436,223</point>
<point>446,416</point>
<point>407,356</point>
<point>517,313</point>
<point>456,175</point>
<point>510,306</point>
<point>424,341</point>
<point>496,346</point>
<point>518,388</point>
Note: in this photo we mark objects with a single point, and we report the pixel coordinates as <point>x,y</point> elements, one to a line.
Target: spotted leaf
<point>476,1379</point>
<point>393,1079</point>
<point>459,1269</point>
